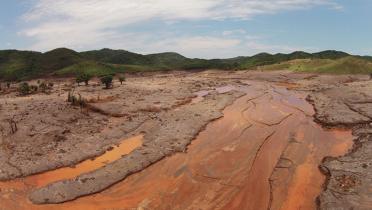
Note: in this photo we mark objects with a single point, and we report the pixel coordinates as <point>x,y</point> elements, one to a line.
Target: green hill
<point>345,65</point>
<point>115,57</point>
<point>21,65</point>
<point>59,58</point>
<point>18,65</point>
<point>88,67</point>
<point>167,60</point>
<point>263,59</point>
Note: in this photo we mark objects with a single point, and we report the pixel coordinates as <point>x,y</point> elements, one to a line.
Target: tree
<point>121,79</point>
<point>83,77</point>
<point>107,80</point>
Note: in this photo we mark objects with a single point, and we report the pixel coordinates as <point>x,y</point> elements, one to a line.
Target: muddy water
<point>263,154</point>
<point>13,196</point>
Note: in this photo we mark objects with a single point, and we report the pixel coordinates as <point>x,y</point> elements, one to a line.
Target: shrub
<point>76,101</point>
<point>24,89</point>
<point>69,96</point>
<point>43,87</point>
<point>107,80</point>
<point>121,79</point>
<point>34,88</point>
<point>83,77</point>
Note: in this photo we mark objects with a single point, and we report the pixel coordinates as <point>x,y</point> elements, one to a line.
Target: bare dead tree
<point>13,126</point>
<point>2,130</point>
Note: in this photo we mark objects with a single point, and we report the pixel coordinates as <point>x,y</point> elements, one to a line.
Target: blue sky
<point>194,28</point>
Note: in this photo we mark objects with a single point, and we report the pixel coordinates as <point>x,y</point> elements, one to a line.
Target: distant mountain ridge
<point>21,65</point>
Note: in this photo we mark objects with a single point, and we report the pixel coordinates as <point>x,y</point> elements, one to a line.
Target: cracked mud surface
<point>349,177</point>
<point>263,153</point>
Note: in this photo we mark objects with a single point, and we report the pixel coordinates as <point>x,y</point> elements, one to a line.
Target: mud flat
<point>52,134</point>
<point>349,178</point>
<point>175,132</point>
<point>262,150</point>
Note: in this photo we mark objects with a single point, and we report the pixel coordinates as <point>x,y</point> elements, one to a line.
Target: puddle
<point>264,153</point>
<point>124,148</point>
<point>18,186</point>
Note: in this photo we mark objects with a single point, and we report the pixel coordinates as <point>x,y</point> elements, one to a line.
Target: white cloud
<point>197,46</point>
<point>231,32</point>
<point>87,24</point>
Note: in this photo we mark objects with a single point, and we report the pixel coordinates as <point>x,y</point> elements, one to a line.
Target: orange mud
<point>12,192</point>
<point>264,153</point>
<point>288,85</point>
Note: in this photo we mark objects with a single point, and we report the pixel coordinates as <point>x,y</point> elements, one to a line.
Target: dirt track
<point>265,144</point>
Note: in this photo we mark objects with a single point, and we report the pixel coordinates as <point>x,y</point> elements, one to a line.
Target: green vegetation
<point>90,68</point>
<point>83,77</point>
<point>24,88</point>
<point>21,65</point>
<point>107,80</point>
<point>346,65</point>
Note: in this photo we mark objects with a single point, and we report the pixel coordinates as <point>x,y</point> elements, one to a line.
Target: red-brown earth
<point>264,153</point>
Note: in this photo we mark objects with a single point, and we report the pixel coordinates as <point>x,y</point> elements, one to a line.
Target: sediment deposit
<point>202,140</point>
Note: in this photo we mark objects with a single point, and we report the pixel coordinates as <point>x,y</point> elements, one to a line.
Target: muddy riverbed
<point>263,151</point>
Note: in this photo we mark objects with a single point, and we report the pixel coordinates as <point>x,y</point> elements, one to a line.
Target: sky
<point>194,28</point>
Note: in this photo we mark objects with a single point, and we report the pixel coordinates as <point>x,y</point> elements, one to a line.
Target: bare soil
<point>264,152</point>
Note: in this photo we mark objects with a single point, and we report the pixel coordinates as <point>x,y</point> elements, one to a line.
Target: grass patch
<point>347,65</point>
<point>91,68</point>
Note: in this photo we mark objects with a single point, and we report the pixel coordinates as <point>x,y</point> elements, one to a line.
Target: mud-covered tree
<point>24,88</point>
<point>43,87</point>
<point>107,81</point>
<point>121,79</point>
<point>34,88</point>
<point>83,77</point>
<point>76,100</point>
